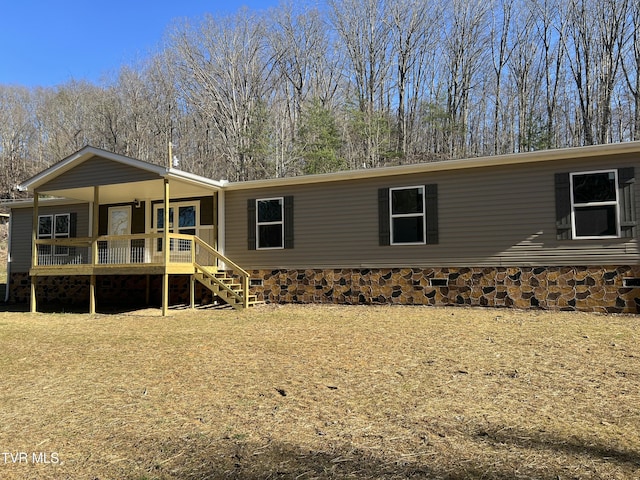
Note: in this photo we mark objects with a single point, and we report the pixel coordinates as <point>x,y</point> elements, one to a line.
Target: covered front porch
<point>138,255</point>
<point>141,219</point>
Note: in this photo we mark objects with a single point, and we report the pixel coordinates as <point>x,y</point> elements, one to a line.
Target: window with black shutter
<point>408,215</point>
<point>595,204</point>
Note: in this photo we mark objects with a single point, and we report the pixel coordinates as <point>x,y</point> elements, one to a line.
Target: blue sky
<point>49,42</point>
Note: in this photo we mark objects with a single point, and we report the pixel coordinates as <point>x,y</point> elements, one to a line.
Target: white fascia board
<point>172,173</point>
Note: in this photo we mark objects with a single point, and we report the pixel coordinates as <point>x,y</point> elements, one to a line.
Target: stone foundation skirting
<point>611,289</point>
<point>598,289</point>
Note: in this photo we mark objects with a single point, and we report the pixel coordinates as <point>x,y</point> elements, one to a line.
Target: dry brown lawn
<point>303,392</point>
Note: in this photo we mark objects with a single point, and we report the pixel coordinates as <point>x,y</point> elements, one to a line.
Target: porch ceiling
<point>127,192</point>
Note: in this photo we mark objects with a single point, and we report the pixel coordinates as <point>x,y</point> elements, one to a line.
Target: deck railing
<point>114,250</point>
<point>128,251</point>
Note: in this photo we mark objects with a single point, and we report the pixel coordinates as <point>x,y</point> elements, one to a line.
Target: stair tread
<point>226,287</point>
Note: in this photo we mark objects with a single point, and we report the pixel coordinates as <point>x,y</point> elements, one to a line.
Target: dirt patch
<point>320,392</point>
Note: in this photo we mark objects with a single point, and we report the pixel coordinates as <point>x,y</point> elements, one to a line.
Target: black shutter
<point>626,187</point>
<point>431,202</point>
<point>384,230</point>
<point>73,225</point>
<point>251,224</point>
<point>563,206</point>
<point>73,231</point>
<point>288,222</point>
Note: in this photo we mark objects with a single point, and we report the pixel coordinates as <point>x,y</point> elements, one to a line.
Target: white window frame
<point>175,221</point>
<point>56,251</point>
<point>393,216</point>
<point>259,223</point>
<point>46,236</point>
<point>574,205</point>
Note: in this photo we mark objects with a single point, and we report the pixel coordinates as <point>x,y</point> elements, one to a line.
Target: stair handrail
<point>237,269</point>
<point>219,283</point>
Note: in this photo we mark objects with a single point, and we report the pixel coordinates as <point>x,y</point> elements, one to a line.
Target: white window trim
<point>615,203</point>
<point>54,235</point>
<point>176,212</point>
<point>408,215</point>
<point>259,223</point>
<point>68,232</point>
<point>46,236</point>
<point>175,221</point>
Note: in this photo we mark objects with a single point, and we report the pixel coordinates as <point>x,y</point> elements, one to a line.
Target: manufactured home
<point>553,229</point>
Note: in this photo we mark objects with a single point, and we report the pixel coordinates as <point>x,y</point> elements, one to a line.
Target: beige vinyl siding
<point>489,216</point>
<point>21,228</point>
<point>97,171</point>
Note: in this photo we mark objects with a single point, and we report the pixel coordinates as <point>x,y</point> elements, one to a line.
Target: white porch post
<point>166,251</point>
<point>221,227</point>
<point>95,223</point>
<point>34,252</point>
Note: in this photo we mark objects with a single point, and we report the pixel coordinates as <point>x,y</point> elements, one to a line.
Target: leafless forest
<point>345,84</point>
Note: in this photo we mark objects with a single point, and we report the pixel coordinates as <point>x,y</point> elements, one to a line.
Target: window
<point>270,223</point>
<point>45,231</point>
<point>407,209</point>
<point>52,227</point>
<point>184,216</point>
<point>408,215</point>
<point>594,204</point>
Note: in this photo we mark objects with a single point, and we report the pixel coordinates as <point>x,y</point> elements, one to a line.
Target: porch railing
<point>143,249</point>
<point>114,250</point>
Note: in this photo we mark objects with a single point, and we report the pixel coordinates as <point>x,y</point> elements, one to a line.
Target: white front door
<point>119,251</point>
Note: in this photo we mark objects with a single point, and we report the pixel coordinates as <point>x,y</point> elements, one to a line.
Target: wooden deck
<point>143,254</point>
<point>121,254</point>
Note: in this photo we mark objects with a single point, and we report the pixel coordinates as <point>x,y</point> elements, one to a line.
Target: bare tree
<point>224,70</point>
<point>527,73</point>
<point>362,26</point>
<point>501,49</point>
<point>67,117</point>
<point>630,45</point>
<point>414,32</point>
<point>464,47</point>
<point>594,60</point>
<point>308,71</point>
<point>16,135</point>
<point>550,25</point>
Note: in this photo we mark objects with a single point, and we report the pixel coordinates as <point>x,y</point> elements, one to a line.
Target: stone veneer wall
<point>599,289</point>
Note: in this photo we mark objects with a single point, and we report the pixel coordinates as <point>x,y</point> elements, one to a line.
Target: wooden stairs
<point>226,287</point>
<point>231,286</point>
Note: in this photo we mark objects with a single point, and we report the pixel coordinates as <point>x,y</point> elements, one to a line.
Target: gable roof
<point>80,157</point>
<point>72,176</point>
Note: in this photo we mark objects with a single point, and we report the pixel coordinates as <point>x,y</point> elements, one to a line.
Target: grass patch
<point>321,392</point>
